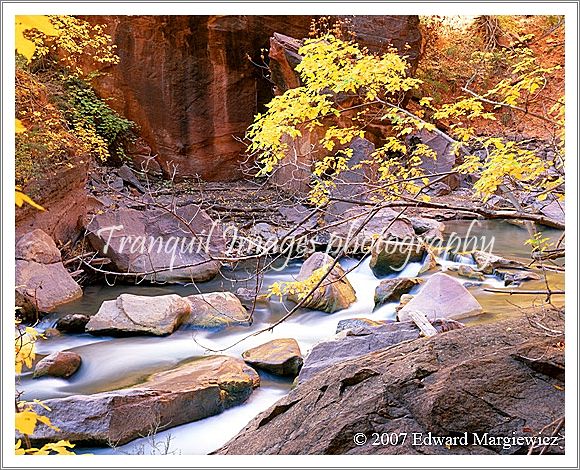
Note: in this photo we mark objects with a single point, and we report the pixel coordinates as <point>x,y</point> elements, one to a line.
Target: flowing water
<point>111,363</point>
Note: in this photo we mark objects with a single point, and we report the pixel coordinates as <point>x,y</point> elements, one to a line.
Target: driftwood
<point>424,325</point>
<point>528,292</point>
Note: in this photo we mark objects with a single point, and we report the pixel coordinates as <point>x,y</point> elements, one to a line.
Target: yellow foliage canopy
<point>42,23</point>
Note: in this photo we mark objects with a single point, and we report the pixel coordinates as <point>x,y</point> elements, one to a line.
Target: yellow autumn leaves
<point>24,23</point>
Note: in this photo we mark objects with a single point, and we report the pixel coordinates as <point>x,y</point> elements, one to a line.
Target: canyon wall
<point>187,81</point>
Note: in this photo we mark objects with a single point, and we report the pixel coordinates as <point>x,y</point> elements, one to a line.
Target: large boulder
<point>442,297</point>
<point>279,357</point>
<point>392,256</point>
<point>42,282</point>
<point>505,379</point>
<point>358,340</point>
<point>157,245</point>
<point>216,310</point>
<point>132,314</point>
<point>58,364</point>
<point>193,391</point>
<point>335,293</point>
<point>390,290</point>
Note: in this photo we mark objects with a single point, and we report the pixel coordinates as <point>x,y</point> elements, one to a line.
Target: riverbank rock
<point>72,323</point>
<point>192,391</point>
<point>279,356</point>
<point>390,290</point>
<point>360,340</point>
<point>391,256</point>
<point>335,293</point>
<point>58,364</point>
<point>473,380</point>
<point>555,210</point>
<point>156,245</point>
<point>136,314</point>
<point>467,271</point>
<point>442,297</point>
<point>515,278</point>
<point>487,262</point>
<point>42,282</point>
<point>216,310</point>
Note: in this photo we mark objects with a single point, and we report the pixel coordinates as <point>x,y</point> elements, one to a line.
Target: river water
<point>111,363</point>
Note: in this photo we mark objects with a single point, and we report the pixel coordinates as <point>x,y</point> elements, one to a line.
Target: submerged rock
<point>135,314</point>
<point>216,310</point>
<point>72,323</point>
<point>391,290</point>
<point>279,356</point>
<point>193,391</point>
<point>442,297</point>
<point>393,256</point>
<point>335,293</point>
<point>474,380</point>
<point>58,364</point>
<point>42,281</point>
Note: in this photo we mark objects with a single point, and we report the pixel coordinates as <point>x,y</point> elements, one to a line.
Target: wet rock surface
<point>391,290</point>
<point>59,364</point>
<point>216,310</point>
<point>279,356</point>
<point>335,293</point>
<point>192,391</point>
<point>136,314</point>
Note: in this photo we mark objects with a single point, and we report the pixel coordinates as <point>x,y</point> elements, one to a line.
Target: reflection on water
<point>110,363</point>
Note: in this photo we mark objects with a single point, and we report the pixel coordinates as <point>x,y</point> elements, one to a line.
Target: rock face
<point>473,380</point>
<point>64,196</point>
<point>42,282</point>
<point>72,323</point>
<point>196,390</point>
<point>216,310</point>
<point>359,337</point>
<point>391,256</point>
<point>187,83</point>
<point>191,100</point>
<point>58,364</point>
<point>279,356</point>
<point>135,314</point>
<point>390,290</point>
<point>442,297</point>
<point>335,293</point>
<point>155,242</point>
